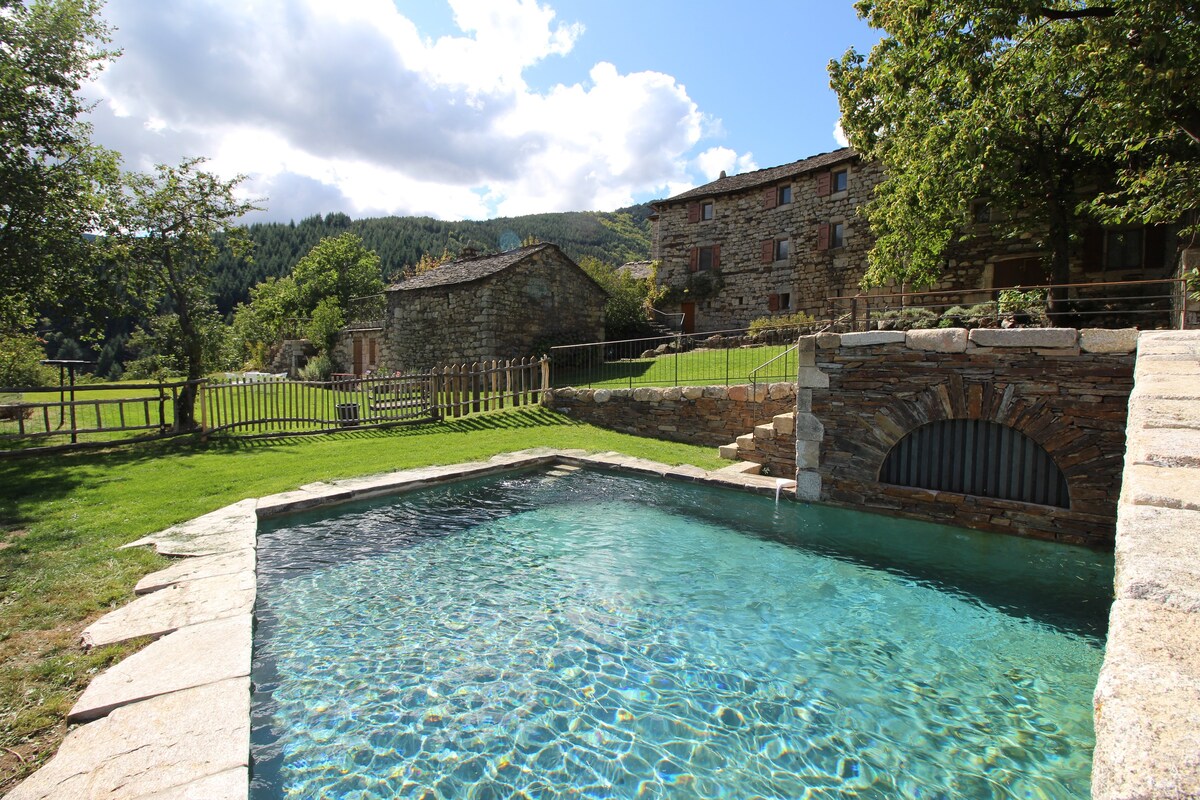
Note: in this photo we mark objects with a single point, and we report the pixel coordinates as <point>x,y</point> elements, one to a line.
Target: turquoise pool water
<point>600,636</point>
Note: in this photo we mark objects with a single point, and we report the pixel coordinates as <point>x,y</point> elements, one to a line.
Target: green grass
<point>701,367</point>
<point>63,517</point>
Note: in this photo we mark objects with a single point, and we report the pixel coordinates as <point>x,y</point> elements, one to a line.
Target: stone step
<point>741,468</point>
<point>784,423</point>
<point>745,442</point>
<point>766,431</point>
<point>728,451</point>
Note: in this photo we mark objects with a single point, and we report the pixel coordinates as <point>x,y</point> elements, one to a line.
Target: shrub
<point>1024,308</point>
<point>778,322</point>
<point>904,319</point>
<point>20,362</point>
<point>318,368</point>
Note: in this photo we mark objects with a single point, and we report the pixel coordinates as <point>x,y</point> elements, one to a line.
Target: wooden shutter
<point>694,259</point>
<point>716,250</point>
<point>770,197</point>
<point>1155,246</point>
<point>772,302</point>
<point>1093,249</point>
<point>824,181</point>
<point>824,231</point>
<point>768,251</point>
<point>693,212</point>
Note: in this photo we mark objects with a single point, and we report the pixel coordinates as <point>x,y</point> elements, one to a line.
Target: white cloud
<point>839,135</point>
<point>715,160</point>
<point>324,102</point>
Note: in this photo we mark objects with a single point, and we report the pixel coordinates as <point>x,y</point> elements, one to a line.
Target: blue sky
<point>471,108</point>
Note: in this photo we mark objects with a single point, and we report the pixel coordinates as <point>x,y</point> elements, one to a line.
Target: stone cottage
<point>786,239</point>
<point>502,305</point>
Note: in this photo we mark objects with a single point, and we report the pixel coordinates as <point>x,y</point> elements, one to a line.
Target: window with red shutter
<point>716,258</point>
<point>823,182</point>
<point>823,236</point>
<point>770,197</point>
<point>772,302</point>
<point>693,212</point>
<point>768,251</point>
<point>694,259</point>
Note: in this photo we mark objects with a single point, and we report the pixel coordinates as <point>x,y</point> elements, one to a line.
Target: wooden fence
<point>43,418</point>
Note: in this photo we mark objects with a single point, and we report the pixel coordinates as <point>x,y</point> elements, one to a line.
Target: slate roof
<point>764,177</point>
<point>639,270</point>
<point>468,270</point>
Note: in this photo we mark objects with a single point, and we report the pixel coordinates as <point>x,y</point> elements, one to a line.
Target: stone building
<point>502,305</point>
<point>786,239</point>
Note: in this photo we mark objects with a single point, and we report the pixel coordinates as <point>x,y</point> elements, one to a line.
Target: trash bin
<point>347,414</point>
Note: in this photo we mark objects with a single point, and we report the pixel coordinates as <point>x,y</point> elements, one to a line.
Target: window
<point>981,212</point>
<point>706,210</point>
<point>837,235</point>
<point>784,195</point>
<point>781,249</point>
<point>785,301</point>
<point>705,261</point>
<point>1123,249</point>
<point>841,179</point>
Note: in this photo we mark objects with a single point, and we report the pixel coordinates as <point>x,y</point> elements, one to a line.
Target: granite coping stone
<point>173,607</point>
<point>195,567</point>
<point>1042,338</point>
<point>195,655</point>
<point>1156,556</point>
<point>152,748</point>
<point>1168,487</point>
<point>1146,701</point>
<point>230,528</point>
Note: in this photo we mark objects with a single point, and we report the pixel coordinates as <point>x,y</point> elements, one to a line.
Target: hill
<point>614,237</point>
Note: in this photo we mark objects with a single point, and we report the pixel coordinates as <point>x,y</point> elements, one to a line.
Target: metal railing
<point>723,358</point>
<point>1147,303</point>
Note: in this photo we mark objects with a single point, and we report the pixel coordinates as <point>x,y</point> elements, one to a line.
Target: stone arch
<point>955,398</point>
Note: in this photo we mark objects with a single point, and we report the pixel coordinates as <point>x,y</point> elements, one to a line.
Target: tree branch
<point>1098,12</point>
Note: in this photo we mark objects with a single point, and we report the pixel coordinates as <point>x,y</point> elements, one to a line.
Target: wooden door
<point>689,317</point>
<point>358,355</point>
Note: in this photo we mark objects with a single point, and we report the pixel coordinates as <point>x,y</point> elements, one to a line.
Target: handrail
<point>753,376</point>
<point>992,289</point>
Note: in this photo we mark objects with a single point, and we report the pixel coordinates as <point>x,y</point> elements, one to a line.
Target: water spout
<point>779,484</point>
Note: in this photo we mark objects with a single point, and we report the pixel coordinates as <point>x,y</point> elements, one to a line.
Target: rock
<point>672,394</point>
<point>1156,556</point>
<point>190,569</point>
<point>693,392</point>
<point>152,748</point>
<point>1025,337</point>
<point>647,354</point>
<point>829,341</point>
<point>781,391</point>
<point>196,655</point>
<point>728,451</point>
<point>174,607</point>
<point>872,337</point>
<point>811,378</point>
<point>808,485</point>
<point>941,340</point>
<point>784,423</point>
<point>808,428</point>
<point>716,392</point>
<point>1100,340</point>
<point>602,395</point>
<point>234,527</point>
<point>739,394</point>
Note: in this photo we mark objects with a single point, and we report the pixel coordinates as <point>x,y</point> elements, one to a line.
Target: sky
<point>471,109</point>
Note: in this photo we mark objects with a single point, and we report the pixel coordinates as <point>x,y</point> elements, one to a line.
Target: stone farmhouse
<point>788,238</point>
<point>497,306</point>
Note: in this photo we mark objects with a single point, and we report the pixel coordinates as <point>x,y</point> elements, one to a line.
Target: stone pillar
<point>809,430</point>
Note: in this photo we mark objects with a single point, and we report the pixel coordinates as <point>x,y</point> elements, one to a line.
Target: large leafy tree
<point>54,182</point>
<point>1027,104</point>
<point>339,267</point>
<point>165,244</point>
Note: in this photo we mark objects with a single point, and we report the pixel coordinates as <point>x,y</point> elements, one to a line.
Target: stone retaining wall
<point>710,416</point>
<point>1065,389</point>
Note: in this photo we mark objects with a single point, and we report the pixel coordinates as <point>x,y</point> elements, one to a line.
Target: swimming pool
<point>588,634</point>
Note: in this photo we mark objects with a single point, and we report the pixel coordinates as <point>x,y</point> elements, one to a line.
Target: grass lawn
<point>62,518</point>
<point>700,367</point>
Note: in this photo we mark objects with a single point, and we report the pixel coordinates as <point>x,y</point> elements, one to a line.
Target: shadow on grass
<point>32,480</point>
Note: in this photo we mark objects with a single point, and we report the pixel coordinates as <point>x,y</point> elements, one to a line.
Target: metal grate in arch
<point>977,457</point>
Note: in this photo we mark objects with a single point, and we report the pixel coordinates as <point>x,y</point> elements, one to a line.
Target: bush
<point>904,319</point>
<point>318,368</point>
<point>1024,308</point>
<point>20,362</point>
<point>778,322</point>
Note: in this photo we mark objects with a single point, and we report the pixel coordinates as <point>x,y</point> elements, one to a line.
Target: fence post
<point>202,398</point>
<point>476,378</point>
<point>545,380</point>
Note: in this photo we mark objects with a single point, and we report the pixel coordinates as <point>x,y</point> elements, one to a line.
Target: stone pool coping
<point>172,721</point>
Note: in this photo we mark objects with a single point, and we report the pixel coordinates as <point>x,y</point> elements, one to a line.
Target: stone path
<point>172,721</point>
<point>1147,702</point>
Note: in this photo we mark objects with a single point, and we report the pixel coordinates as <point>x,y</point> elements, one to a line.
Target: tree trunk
<point>1061,220</point>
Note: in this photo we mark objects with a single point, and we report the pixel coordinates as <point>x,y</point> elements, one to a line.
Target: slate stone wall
<point>542,301</point>
<point>709,416</point>
<point>1067,390</point>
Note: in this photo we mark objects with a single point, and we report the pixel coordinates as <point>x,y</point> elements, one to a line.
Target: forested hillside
<point>614,237</point>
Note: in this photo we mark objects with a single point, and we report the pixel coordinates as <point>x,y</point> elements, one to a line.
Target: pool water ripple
<point>599,636</point>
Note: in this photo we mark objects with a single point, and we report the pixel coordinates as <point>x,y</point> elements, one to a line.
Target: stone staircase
<point>772,445</point>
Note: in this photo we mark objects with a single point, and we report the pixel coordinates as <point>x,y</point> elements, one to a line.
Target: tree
<point>1024,104</point>
<point>340,267</point>
<point>54,183</point>
<point>164,244</point>
<point>628,298</point>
